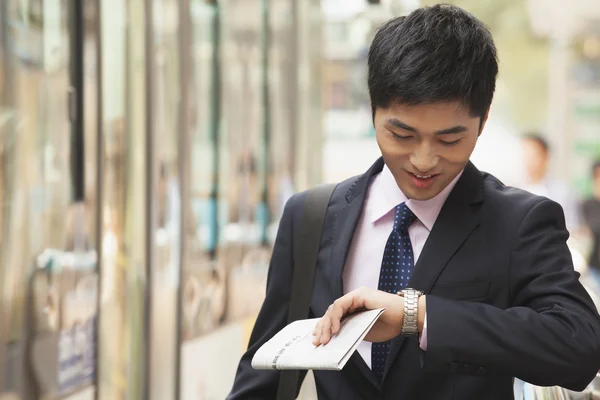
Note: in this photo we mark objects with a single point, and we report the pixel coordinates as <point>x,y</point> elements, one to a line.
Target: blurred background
<point>147,148</point>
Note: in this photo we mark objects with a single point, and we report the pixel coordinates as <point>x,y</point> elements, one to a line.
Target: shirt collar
<point>385,195</point>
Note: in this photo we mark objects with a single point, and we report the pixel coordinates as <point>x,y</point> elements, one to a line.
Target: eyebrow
<point>399,124</point>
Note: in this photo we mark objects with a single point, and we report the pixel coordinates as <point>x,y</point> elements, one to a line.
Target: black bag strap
<point>307,240</point>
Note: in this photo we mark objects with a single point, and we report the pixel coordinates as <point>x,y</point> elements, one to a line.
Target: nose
<point>423,159</point>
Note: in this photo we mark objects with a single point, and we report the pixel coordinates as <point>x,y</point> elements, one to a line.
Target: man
<point>501,299</point>
<point>591,219</point>
<point>536,154</point>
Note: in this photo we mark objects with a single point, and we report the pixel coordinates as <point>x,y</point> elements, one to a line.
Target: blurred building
<point>194,121</point>
<point>574,84</point>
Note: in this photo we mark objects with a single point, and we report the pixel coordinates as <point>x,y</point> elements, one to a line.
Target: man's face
<point>536,160</point>
<point>426,146</point>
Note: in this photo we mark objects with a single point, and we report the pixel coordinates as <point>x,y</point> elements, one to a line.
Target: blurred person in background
<point>536,153</point>
<point>475,277</point>
<point>591,219</point>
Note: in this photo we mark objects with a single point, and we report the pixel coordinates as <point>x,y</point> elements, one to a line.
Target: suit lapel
<point>345,221</point>
<point>344,225</point>
<point>457,219</point>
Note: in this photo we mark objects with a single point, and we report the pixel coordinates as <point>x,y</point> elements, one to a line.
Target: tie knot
<point>403,218</point>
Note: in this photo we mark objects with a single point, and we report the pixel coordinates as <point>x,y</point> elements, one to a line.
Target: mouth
<point>422,181</point>
<point>424,176</point>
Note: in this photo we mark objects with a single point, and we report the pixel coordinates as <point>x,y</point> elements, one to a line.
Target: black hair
<point>435,54</point>
<point>537,138</point>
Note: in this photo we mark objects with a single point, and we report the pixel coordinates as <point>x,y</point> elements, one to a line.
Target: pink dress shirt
<point>374,227</point>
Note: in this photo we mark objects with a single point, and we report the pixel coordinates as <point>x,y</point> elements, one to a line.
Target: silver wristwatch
<point>411,307</point>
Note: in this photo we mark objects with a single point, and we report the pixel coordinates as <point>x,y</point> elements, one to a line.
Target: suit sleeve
<point>251,384</point>
<point>551,334</point>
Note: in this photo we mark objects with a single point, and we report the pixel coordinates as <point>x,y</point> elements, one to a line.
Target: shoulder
<point>514,205</point>
<point>294,207</point>
<point>341,191</point>
<point>504,196</point>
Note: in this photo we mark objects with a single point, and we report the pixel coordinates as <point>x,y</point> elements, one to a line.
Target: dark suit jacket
<point>503,300</point>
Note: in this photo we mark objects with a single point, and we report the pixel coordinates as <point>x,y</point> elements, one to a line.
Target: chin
<point>421,194</point>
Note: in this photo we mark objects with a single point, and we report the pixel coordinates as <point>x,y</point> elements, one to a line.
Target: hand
<point>388,326</point>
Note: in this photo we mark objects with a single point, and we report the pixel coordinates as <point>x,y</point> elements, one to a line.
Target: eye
<point>401,137</point>
<point>453,143</point>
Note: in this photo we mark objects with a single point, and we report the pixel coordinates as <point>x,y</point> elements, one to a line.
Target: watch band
<point>411,309</point>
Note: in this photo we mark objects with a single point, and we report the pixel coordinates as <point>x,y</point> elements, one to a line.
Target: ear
<point>483,121</point>
<point>372,113</point>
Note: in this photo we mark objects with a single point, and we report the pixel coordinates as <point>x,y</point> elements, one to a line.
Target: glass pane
<point>243,149</point>
<point>283,109</point>
<point>35,187</point>
<point>202,314</point>
<point>308,148</point>
<point>204,279</point>
<point>225,280</point>
<point>124,201</point>
<point>166,130</point>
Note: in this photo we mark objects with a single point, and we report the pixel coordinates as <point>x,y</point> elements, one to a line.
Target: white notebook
<point>292,347</point>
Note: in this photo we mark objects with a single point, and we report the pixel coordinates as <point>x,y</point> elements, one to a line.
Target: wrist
<point>421,312</point>
<point>410,326</point>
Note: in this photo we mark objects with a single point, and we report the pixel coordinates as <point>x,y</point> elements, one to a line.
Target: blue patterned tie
<point>396,268</point>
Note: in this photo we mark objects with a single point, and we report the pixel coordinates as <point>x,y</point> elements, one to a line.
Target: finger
<point>335,326</point>
<point>347,304</point>
<point>316,340</point>
<point>341,307</point>
<point>337,315</point>
<point>326,327</point>
<point>317,334</point>
<point>331,321</point>
<point>318,331</point>
<point>316,328</point>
